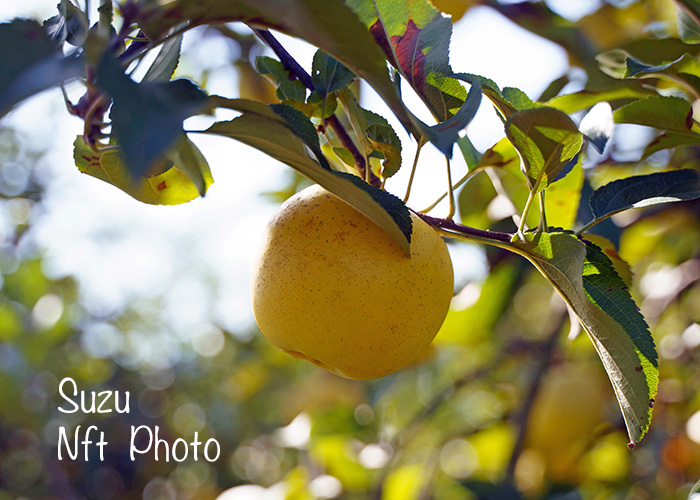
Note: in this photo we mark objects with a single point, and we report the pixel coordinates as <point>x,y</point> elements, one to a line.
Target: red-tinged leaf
<point>416,38</point>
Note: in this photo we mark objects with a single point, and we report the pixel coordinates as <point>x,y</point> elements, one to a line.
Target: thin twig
<point>465,230</point>
<point>523,217</point>
<point>286,58</point>
<point>452,210</point>
<point>413,172</point>
<point>543,214</point>
<point>459,183</point>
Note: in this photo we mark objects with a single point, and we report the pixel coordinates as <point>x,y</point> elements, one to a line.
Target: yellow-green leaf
<point>171,185</point>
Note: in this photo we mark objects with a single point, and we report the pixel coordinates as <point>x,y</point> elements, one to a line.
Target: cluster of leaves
<point>319,129</point>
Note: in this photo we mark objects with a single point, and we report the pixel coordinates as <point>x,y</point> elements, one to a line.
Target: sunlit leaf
<point>405,482</point>
<point>670,140</point>
<point>684,71</point>
<point>562,199</point>
<point>561,257</point>
<point>547,141</point>
<point>666,113</point>
<point>187,158</point>
<point>469,152</point>
<point>171,184</point>
<point>322,106</point>
<point>571,103</point>
<point>263,129</point>
<point>518,99</point>
<point>645,190</point>
<point>332,450</point>
<point>621,267</point>
<point>500,155</point>
<point>384,139</point>
<point>31,62</point>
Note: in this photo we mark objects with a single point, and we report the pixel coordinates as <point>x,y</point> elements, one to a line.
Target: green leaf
<point>606,289</point>
<point>276,73</point>
<point>519,99</point>
<point>328,74</point>
<point>166,61</point>
<point>147,117</point>
<point>384,139</point>
<point>644,191</point>
<point>695,492</point>
<point>584,99</point>
<point>261,128</point>
<point>302,127</point>
<point>560,257</point>
<point>666,113</point>
<point>490,90</point>
<point>416,39</point>
<point>562,197</point>
<point>445,134</point>
<point>688,20</point>
<point>684,71</point>
<point>171,184</point>
<point>500,155</point>
<point>344,155</point>
<point>469,152</point>
<point>670,140</point>
<point>320,105</point>
<point>547,141</point>
<point>31,62</point>
<point>190,160</point>
<point>329,25</point>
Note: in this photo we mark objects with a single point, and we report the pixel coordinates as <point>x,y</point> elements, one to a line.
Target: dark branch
<point>462,229</point>
<point>295,69</point>
<point>522,417</point>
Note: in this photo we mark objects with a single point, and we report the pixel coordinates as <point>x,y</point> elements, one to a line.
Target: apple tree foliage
<point>134,137</point>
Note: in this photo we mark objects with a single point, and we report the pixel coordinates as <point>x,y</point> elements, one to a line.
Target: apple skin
<point>331,287</point>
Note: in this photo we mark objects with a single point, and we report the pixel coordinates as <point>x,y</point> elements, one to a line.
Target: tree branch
<point>295,69</point>
<point>522,417</point>
<point>466,230</point>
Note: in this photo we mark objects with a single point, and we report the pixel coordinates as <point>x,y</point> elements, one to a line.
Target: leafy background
<point>160,309</point>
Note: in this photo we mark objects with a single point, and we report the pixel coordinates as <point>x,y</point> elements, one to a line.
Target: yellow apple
<point>331,287</point>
